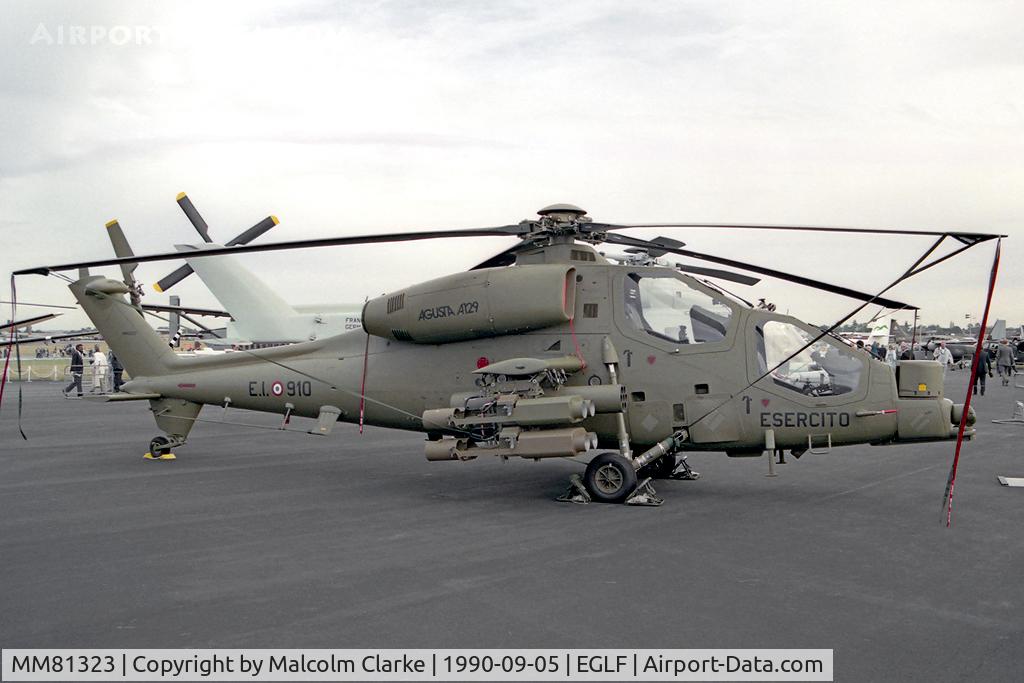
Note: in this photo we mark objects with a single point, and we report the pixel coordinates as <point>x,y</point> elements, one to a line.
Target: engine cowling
<point>475,304</point>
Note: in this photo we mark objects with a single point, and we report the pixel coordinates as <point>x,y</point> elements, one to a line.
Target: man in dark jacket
<point>77,365</point>
<point>117,369</point>
<point>984,370</point>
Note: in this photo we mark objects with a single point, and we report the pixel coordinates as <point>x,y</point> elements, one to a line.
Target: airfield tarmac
<point>265,539</point>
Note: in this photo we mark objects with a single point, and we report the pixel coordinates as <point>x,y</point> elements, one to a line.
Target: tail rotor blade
<point>122,249</point>
<point>193,216</point>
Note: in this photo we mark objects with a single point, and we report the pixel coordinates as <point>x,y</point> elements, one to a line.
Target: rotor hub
<point>562,213</point>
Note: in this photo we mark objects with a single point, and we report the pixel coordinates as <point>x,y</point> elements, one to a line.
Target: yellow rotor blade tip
<point>111,223</point>
<point>181,195</point>
<point>274,218</point>
<point>156,286</point>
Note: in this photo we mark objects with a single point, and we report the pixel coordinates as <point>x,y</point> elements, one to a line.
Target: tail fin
<point>998,330</point>
<point>880,331</point>
<point>258,310</point>
<point>137,345</point>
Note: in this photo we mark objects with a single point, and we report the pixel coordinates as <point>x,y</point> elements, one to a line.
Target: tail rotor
<point>123,249</point>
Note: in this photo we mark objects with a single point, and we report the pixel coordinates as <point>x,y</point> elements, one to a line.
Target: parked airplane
<point>962,349</point>
<point>880,332</point>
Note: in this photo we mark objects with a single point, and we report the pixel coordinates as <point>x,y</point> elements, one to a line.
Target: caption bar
<point>417,665</point>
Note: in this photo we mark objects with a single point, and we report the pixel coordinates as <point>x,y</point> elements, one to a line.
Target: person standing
<point>944,356</point>
<point>99,369</point>
<point>117,369</point>
<point>77,367</point>
<point>984,370</point>
<point>1004,361</point>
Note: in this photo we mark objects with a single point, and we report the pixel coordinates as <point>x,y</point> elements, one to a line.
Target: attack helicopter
<point>550,350</point>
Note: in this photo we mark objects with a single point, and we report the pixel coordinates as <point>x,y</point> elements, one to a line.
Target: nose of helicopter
<point>932,420</point>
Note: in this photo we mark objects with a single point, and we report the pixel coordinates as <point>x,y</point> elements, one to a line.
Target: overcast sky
<point>353,117</point>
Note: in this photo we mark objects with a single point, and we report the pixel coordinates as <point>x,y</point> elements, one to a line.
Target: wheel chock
<point>644,495</point>
<point>165,456</point>
<point>577,492</point>
<point>683,473</point>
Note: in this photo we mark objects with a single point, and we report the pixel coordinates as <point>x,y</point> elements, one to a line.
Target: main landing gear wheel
<point>160,448</point>
<point>610,478</point>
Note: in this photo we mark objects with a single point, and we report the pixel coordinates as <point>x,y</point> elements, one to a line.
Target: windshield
<point>825,368</point>
<point>668,308</point>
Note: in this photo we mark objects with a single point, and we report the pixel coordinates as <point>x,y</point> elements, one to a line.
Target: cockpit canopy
<point>669,308</point>
<point>825,368</point>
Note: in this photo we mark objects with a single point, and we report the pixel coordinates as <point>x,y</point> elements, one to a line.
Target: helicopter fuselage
<point>689,356</point>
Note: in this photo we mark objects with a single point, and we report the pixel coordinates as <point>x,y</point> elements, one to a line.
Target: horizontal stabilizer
<point>107,398</point>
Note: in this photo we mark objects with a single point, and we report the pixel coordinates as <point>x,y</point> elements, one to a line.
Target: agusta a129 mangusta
<point>550,349</point>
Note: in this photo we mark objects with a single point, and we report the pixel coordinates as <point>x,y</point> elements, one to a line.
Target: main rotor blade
<point>48,337</point>
<point>663,242</point>
<point>25,322</point>
<point>213,312</point>
<point>184,271</point>
<point>506,257</point>
<point>500,231</point>
<point>957,234</point>
<point>24,303</point>
<point>798,279</point>
<point>720,274</point>
<point>193,216</point>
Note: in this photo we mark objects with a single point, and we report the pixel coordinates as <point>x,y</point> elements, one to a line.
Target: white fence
<point>32,373</point>
<point>46,371</point>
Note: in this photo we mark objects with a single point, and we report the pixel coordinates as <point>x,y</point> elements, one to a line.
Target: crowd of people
<point>107,371</point>
<point>996,358</point>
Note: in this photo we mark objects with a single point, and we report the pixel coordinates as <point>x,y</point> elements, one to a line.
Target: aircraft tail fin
<point>880,332</point>
<point>137,345</point>
<point>998,330</point>
<point>258,310</point>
